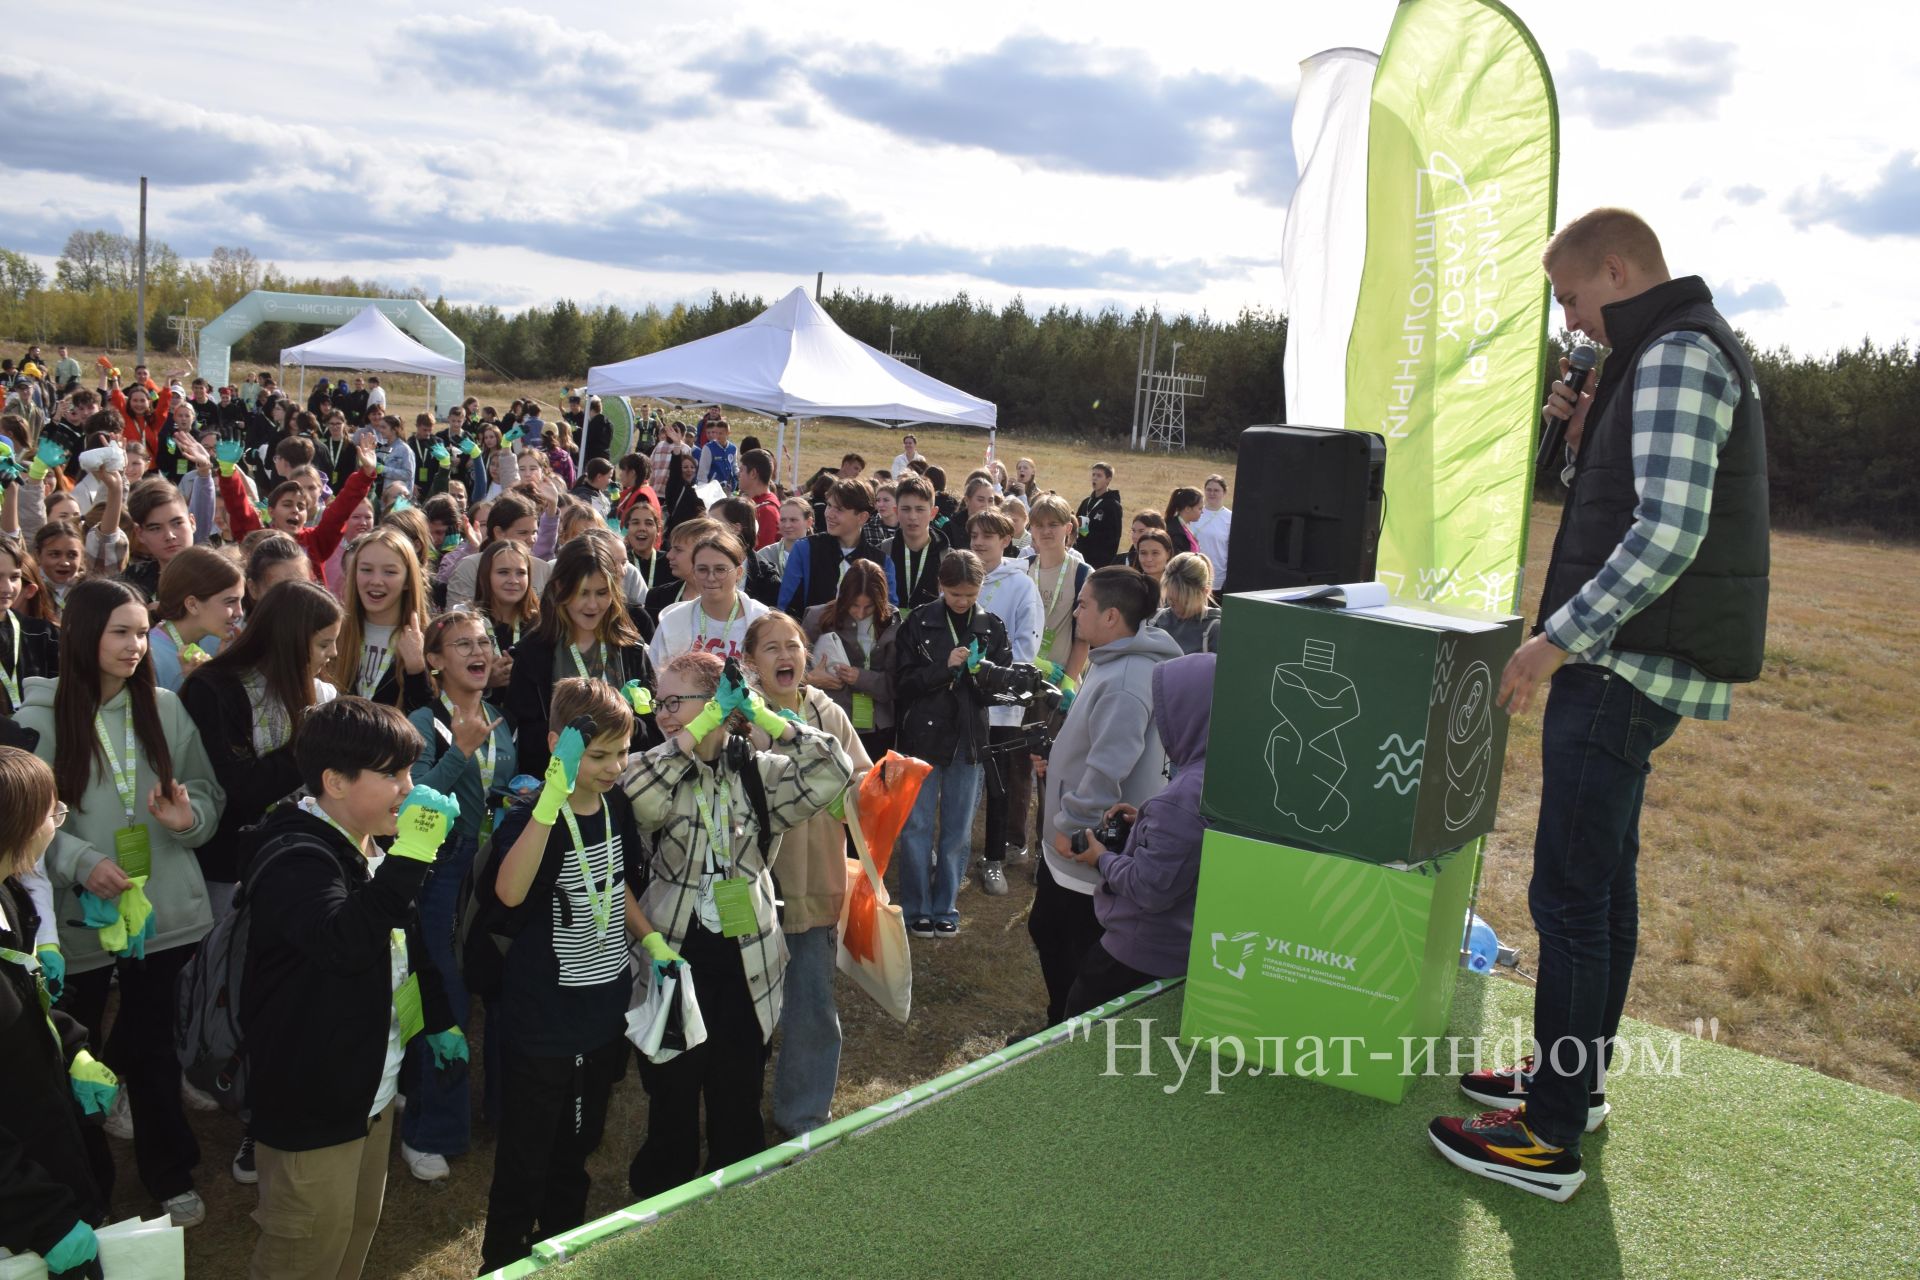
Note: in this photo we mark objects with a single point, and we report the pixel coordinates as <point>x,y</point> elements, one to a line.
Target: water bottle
<point>1481,945</point>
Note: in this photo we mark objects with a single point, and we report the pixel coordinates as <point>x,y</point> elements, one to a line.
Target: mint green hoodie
<point>181,913</point>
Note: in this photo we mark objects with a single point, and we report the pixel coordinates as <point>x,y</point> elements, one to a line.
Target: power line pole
<point>140,287</point>
<point>1139,376</point>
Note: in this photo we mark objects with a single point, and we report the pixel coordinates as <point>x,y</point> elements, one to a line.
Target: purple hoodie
<point>1146,894</point>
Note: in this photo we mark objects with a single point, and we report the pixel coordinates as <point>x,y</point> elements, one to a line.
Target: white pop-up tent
<point>372,342</point>
<point>792,361</point>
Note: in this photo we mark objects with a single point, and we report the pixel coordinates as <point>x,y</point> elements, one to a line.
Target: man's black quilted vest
<point>1714,616</point>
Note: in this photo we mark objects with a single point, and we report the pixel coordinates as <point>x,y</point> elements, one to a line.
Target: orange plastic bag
<point>874,950</point>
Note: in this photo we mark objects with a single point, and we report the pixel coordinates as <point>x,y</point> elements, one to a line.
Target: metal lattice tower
<point>186,335</point>
<point>1167,396</point>
<point>904,357</point>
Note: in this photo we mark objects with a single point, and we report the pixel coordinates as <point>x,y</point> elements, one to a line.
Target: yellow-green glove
<point>707,721</point>
<point>53,968</point>
<point>425,817</point>
<point>764,716</point>
<point>663,956</point>
<point>563,768</point>
<point>136,915</point>
<point>93,1084</point>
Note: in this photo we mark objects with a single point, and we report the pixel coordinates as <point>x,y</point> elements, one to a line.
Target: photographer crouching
<point>1107,754</point>
<point>1147,888</point>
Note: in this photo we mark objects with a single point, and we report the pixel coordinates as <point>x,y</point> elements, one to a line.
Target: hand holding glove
<point>732,693</point>
<point>93,1084</point>
<point>136,917</point>
<point>76,1249</point>
<point>53,968</point>
<point>425,818</point>
<point>564,768</point>
<point>49,457</point>
<point>663,956</point>
<point>711,717</point>
<point>973,655</point>
<point>449,1050</point>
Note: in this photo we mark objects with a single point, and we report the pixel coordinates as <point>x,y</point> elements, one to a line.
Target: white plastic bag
<point>650,1016</point>
<point>887,975</point>
<point>129,1250</point>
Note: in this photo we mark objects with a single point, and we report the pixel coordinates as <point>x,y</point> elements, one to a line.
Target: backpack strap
<point>741,757</point>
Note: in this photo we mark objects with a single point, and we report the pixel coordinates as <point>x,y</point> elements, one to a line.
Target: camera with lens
<point>1111,833</point>
<point>1019,685</point>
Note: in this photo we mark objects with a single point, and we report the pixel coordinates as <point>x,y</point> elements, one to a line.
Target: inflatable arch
<point>261,307</point>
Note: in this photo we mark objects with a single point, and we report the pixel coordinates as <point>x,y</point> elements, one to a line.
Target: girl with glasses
<point>716,621</point>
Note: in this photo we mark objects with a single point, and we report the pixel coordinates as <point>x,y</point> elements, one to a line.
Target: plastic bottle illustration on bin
<point>1304,754</point>
<point>1469,745</point>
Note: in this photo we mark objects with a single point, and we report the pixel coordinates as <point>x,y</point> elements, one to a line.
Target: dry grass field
<point>1779,891</point>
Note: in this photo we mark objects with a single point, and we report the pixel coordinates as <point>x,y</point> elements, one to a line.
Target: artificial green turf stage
<point>1741,1167</point>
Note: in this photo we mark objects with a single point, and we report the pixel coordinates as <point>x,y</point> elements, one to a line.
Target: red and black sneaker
<point>1499,1145</point>
<point>1507,1087</point>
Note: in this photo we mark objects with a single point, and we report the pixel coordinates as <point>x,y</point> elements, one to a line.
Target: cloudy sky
<point>1082,153</point>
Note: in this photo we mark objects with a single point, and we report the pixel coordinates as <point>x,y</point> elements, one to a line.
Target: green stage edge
<point>563,1247</point>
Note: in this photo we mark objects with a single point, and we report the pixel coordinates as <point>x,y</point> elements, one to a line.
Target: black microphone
<point>1580,365</point>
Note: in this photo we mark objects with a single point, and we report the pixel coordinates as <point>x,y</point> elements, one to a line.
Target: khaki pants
<point>318,1209</point>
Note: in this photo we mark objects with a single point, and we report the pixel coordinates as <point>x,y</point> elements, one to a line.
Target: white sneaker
<point>119,1121</point>
<point>186,1209</point>
<point>195,1100</point>
<point>424,1165</point>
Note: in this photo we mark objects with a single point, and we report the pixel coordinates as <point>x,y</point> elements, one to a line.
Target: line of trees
<point>1842,443</point>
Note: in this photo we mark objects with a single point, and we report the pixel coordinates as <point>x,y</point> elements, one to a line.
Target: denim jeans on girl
<point>438,1119</point>
<point>929,885</point>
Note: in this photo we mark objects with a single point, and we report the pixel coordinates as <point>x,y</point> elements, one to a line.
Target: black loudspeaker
<point>1308,508</point>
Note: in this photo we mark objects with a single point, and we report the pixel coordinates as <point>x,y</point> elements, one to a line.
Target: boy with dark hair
<point>913,553</point>
<point>942,717</point>
<point>1100,516</point>
<point>332,992</point>
<point>814,571</point>
<point>756,486</point>
<point>593,486</point>
<point>563,877</point>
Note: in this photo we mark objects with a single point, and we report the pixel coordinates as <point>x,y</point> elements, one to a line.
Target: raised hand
<point>409,646</point>
<point>471,729</point>
<point>169,803</point>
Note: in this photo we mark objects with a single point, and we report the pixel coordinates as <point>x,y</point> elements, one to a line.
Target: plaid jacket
<point>1683,401</point>
<point>661,784</point>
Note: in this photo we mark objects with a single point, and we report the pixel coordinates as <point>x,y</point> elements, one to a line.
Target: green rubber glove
<point>732,693</point>
<point>401,504</point>
<point>639,697</point>
<point>468,447</point>
<point>973,655</point>
<point>228,453</point>
<point>787,713</point>
<point>449,542</point>
<point>512,436</point>
<point>1069,690</point>
<point>193,653</point>
<point>563,769</point>
<point>765,717</point>
<point>76,1249</point>
<point>93,1084</point>
<point>1053,671</point>
<point>53,968</point>
<point>447,1047</point>
<point>839,807</point>
<point>663,956</point>
<point>136,915</point>
<point>439,454</point>
<point>426,816</point>
<point>711,717</point>
<point>97,912</point>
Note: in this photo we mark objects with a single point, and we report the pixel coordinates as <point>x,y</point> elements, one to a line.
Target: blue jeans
<point>928,886</point>
<point>809,1062</point>
<point>1598,737</point>
<point>437,1119</point>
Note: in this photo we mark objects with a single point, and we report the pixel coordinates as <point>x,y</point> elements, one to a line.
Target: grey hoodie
<point>1108,750</point>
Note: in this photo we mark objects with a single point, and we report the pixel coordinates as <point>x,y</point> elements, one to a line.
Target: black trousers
<point>728,1070</point>
<point>1101,979</point>
<point>139,1049</point>
<point>1006,807</point>
<point>552,1114</point>
<point>1062,926</point>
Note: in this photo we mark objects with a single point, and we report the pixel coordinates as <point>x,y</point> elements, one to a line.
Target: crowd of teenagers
<point>475,718</point>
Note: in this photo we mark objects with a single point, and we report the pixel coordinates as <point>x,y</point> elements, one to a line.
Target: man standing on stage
<point>1651,613</point>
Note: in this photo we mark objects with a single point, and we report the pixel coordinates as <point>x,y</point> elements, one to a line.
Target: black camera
<point>1019,685</point>
<point>1111,833</point>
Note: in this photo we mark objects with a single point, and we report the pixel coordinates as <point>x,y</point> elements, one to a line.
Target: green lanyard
<point>312,806</point>
<point>700,642</point>
<point>1047,635</point>
<point>715,818</point>
<point>488,756</point>
<point>32,965</point>
<point>580,663</point>
<point>125,779</point>
<point>913,570</point>
<point>955,635</point>
<point>600,901</point>
<point>173,634</point>
<point>11,678</point>
<point>652,556</point>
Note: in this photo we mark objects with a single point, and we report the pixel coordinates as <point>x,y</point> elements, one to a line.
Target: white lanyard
<point>487,756</point>
<point>600,901</point>
<point>125,781</point>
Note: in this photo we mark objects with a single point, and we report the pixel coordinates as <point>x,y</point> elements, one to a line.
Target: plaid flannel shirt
<point>662,783</point>
<point>1683,400</point>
